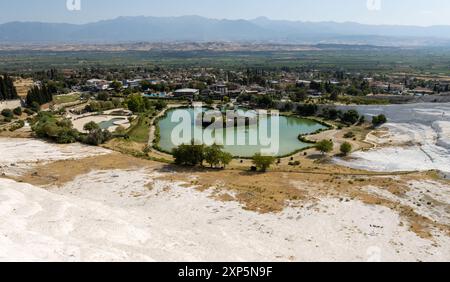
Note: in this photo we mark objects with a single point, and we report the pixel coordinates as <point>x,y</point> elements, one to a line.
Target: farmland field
<point>369,59</point>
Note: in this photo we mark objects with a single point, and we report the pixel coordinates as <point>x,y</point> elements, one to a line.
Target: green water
<point>109,123</point>
<point>287,139</point>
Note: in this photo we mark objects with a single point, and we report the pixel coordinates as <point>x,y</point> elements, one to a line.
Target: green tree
<point>225,159</point>
<point>160,105</point>
<point>7,113</point>
<point>379,120</point>
<point>350,117</point>
<point>212,154</point>
<point>18,111</point>
<point>116,85</point>
<point>40,95</point>
<point>189,154</point>
<point>324,146</point>
<point>7,89</point>
<point>346,148</point>
<point>136,103</point>
<point>96,137</point>
<point>263,163</point>
<point>103,96</point>
<point>91,126</point>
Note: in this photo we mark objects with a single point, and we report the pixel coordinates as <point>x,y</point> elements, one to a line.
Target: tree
<point>189,154</point>
<point>351,117</point>
<point>300,94</point>
<point>7,113</point>
<point>7,89</point>
<point>116,85</point>
<point>379,120</point>
<point>263,162</point>
<point>39,95</point>
<point>264,101</point>
<point>346,148</point>
<point>307,109</point>
<point>160,105</point>
<point>96,137</point>
<point>18,111</point>
<point>325,146</point>
<point>35,107</point>
<point>212,154</point>
<point>215,156</point>
<point>103,96</point>
<point>91,126</point>
<point>136,103</point>
<point>225,158</point>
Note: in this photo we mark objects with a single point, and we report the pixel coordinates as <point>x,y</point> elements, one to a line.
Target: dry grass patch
<point>60,172</point>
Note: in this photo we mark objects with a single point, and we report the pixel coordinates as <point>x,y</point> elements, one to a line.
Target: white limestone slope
<point>117,216</point>
<point>19,154</point>
<point>421,144</point>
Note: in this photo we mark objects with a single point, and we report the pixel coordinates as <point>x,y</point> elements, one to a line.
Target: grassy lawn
<point>140,129</point>
<point>63,99</point>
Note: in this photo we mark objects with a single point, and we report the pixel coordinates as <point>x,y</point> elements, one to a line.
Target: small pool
<point>156,95</point>
<point>109,123</point>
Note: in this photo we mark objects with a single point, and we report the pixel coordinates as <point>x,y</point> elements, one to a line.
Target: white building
<point>186,93</point>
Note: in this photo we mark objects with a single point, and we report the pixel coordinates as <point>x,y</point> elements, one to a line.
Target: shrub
<point>7,113</point>
<point>263,162</point>
<point>29,112</point>
<point>350,117</point>
<point>96,137</point>
<point>17,125</point>
<point>349,135</point>
<point>18,111</point>
<point>120,130</point>
<point>91,126</point>
<point>379,120</point>
<point>325,146</point>
<point>189,154</point>
<point>346,148</point>
<point>35,107</point>
<point>212,155</point>
<point>307,109</point>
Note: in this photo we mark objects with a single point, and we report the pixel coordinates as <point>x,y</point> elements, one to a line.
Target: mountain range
<point>200,29</point>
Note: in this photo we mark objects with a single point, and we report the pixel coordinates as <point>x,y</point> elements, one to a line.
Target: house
<point>303,83</point>
<point>186,93</point>
<point>98,84</point>
<point>132,83</point>
<point>421,91</point>
<point>220,89</point>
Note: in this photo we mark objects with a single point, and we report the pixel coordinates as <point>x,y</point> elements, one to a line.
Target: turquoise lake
<point>284,140</point>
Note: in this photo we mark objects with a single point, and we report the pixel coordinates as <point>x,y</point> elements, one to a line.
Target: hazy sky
<point>411,12</point>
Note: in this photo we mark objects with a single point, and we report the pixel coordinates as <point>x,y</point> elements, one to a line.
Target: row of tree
<point>39,95</point>
<point>7,89</point>
<point>194,154</point>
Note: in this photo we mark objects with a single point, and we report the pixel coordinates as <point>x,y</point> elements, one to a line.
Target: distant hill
<point>195,28</point>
